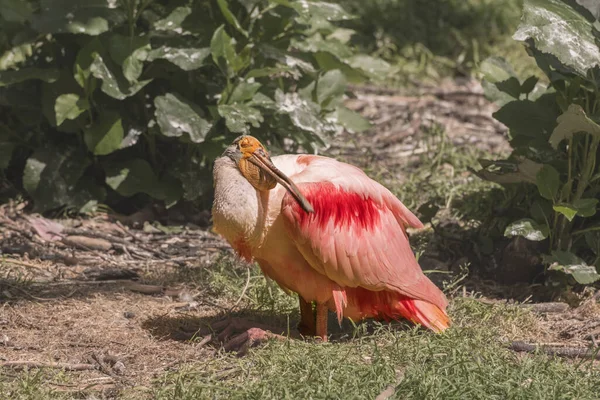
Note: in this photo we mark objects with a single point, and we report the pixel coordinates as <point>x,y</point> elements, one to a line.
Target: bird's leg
<point>321,329</point>
<point>306,327</point>
<point>252,334</point>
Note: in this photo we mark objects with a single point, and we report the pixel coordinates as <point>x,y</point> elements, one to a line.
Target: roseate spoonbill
<point>324,230</point>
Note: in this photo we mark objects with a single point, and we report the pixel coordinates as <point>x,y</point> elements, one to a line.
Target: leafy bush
<point>102,100</point>
<point>451,34</point>
<point>555,134</point>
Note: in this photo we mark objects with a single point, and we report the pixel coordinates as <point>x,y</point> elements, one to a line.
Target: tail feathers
<point>424,313</point>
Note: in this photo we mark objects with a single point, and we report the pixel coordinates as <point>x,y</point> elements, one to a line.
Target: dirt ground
<point>112,303</point>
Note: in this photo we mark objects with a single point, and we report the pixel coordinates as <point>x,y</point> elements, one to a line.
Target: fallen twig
<point>569,352</point>
<point>546,308</point>
<point>35,364</point>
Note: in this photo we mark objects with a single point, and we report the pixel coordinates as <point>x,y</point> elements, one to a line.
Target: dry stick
<point>570,352</point>
<point>542,308</point>
<point>243,291</point>
<point>35,364</point>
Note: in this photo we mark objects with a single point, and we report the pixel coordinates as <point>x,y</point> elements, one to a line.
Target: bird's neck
<point>239,210</point>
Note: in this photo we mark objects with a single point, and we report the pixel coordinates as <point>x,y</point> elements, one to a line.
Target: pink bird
<point>326,231</point>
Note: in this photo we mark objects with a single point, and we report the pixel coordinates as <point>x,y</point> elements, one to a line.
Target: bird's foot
<point>238,334</point>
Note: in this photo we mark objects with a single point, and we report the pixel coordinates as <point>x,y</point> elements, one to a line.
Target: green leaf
<point>496,69</point>
<point>573,121</point>
<point>51,175</point>
<point>230,17</point>
<point>69,106</point>
<point>529,84</point>
<point>222,47</point>
<point>527,228</point>
<point>547,181</point>
<point>593,6</point>
<point>175,116</point>
<point>303,113</point>
<point>136,176</point>
<point>243,91</point>
<point>316,43</point>
<point>90,17</point>
<point>528,118</point>
<point>187,59</point>
<point>559,30</point>
<point>6,151</point>
<point>15,10</point>
<point>352,121</point>
<point>238,117</point>
<point>567,210</point>
<point>509,171</point>
<point>112,84</point>
<point>375,68</point>
<point>105,135</point>
<point>511,86</point>
<point>586,207</point>
<point>12,77</point>
<point>174,20</point>
<point>569,263</point>
<point>331,86</point>
<point>130,54</point>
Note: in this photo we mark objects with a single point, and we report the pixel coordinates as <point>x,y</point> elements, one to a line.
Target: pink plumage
<point>351,254</point>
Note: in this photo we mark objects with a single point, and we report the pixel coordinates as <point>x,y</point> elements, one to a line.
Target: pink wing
<point>356,236</point>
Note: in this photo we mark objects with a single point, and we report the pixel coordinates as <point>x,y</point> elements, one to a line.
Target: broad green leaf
<point>373,67</point>
<point>174,20</point>
<point>136,176</point>
<point>230,17</point>
<point>186,59</point>
<point>511,86</point>
<point>243,91</point>
<point>351,121</point>
<point>569,263</point>
<point>586,207</point>
<point>317,9</point>
<point>14,56</point>
<point>496,69</point>
<point>509,171</point>
<point>559,30</point>
<point>529,84</point>
<point>51,174</point>
<point>303,113</point>
<point>573,121</point>
<point>331,86</point>
<point>238,117</point>
<point>111,84</point>
<point>528,118</point>
<point>593,6</point>
<point>176,116</point>
<point>567,210</point>
<point>317,43</point>
<point>69,106</point>
<point>547,181</point>
<point>527,228</point>
<point>6,151</point>
<point>222,47</point>
<point>15,10</point>
<point>130,54</point>
<point>286,60</point>
<point>105,135</point>
<point>12,77</point>
<point>592,239</point>
<point>90,17</point>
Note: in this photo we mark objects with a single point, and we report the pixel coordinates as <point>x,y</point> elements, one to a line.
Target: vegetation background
<point>117,107</point>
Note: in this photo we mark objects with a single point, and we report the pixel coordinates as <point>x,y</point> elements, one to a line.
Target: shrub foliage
<point>102,100</point>
<point>555,134</point>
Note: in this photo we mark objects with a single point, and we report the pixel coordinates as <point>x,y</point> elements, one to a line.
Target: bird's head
<point>254,163</point>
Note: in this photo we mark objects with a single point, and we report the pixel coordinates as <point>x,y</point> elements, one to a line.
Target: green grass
<point>470,361</point>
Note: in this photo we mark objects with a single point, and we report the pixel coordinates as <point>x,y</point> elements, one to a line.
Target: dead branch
<point>34,364</point>
<point>569,352</point>
<point>546,308</point>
